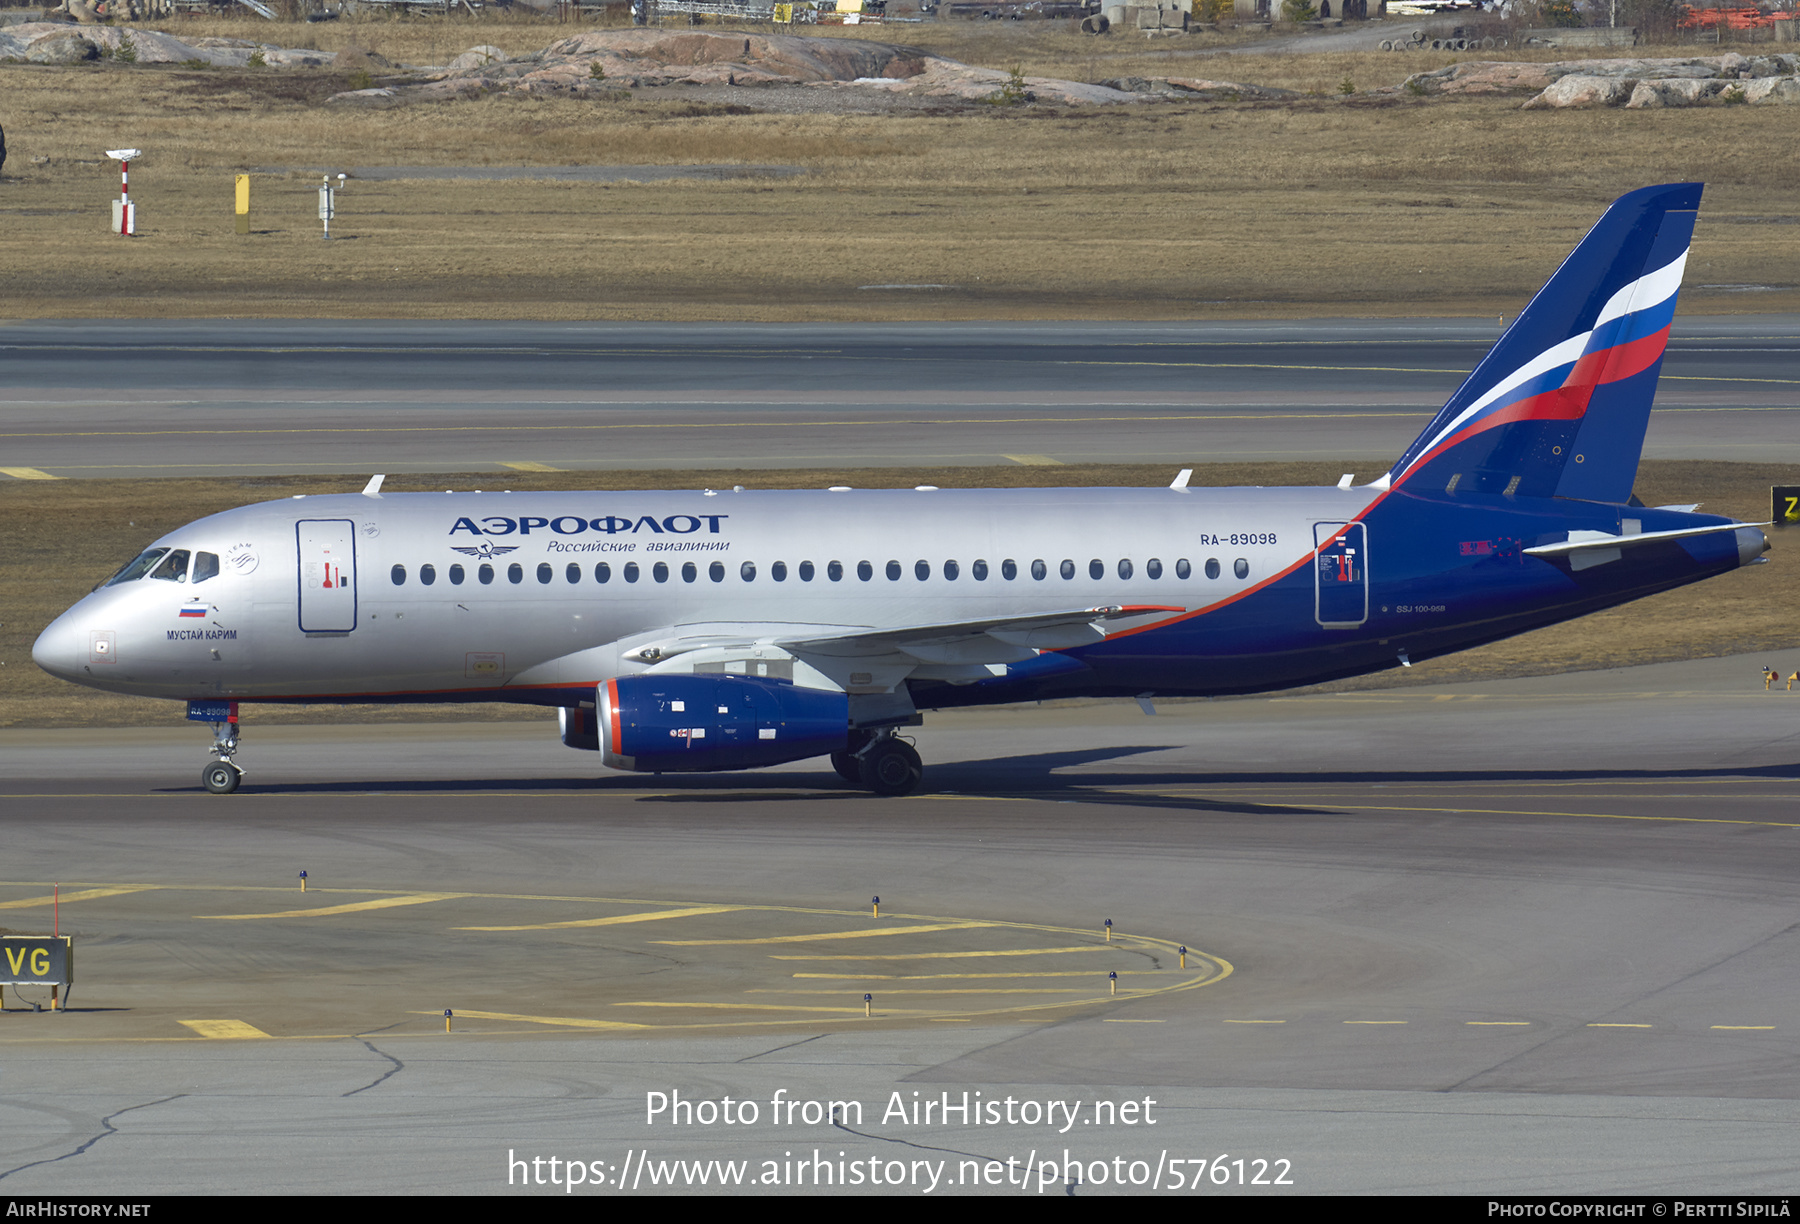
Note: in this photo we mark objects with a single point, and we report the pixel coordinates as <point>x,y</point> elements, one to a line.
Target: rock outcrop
<point>1635,83</point>
<point>55,42</point>
<point>598,62</point>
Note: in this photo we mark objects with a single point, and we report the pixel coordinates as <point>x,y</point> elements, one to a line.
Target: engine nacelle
<point>697,723</point>
<point>580,727</point>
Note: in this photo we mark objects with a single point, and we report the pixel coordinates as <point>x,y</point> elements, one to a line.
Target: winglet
<point>1181,478</point>
<point>373,488</point>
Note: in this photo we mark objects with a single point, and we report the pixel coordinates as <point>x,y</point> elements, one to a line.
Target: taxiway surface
<point>223,397</point>
<point>1510,937</point>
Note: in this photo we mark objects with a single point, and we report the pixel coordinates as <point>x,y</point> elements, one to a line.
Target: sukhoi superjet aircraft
<point>726,630</point>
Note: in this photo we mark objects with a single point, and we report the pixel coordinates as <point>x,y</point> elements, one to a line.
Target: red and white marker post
<point>124,211</point>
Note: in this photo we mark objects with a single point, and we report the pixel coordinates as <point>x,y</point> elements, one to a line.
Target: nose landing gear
<point>221,776</point>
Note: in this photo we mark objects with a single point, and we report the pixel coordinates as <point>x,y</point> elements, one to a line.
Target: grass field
<point>64,537</point>
<point>1331,204</point>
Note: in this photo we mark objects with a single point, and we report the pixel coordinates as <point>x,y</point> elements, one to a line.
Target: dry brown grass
<point>62,538</point>
<point>1327,205</point>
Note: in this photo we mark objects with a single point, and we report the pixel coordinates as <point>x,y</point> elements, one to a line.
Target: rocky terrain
<point>1634,83</point>
<point>59,42</point>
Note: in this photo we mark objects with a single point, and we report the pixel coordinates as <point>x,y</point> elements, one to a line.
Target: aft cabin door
<point>1341,576</point>
<point>327,575</point>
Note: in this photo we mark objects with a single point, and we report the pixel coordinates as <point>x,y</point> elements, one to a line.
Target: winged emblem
<point>486,551</point>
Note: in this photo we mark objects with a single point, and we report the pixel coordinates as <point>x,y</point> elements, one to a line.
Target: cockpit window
<point>173,568</point>
<point>139,566</point>
<point>206,565</point>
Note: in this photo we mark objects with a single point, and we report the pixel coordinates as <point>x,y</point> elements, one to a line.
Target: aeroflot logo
<point>574,524</point>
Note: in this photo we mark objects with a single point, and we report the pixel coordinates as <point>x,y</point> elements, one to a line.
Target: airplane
<point>718,629</point>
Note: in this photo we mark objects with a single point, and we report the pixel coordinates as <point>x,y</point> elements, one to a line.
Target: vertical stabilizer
<point>1559,406</point>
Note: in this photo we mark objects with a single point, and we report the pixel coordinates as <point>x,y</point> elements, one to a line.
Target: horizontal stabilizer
<point>1582,541</point>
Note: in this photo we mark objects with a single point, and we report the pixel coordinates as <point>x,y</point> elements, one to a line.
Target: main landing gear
<point>220,776</point>
<point>880,761</point>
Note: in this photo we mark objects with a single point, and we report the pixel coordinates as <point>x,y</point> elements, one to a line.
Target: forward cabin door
<point>327,575</point>
<point>1341,575</point>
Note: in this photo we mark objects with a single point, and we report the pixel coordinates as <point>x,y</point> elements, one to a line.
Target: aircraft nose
<point>58,649</point>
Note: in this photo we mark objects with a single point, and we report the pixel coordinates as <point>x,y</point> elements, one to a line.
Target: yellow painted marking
<point>562,1021</point>
<point>224,1029</point>
<point>873,932</point>
<point>1751,1028</point>
<point>1374,1022</point>
<point>86,894</point>
<point>24,473</point>
<point>1269,1022</point>
<point>1034,460</point>
<point>1499,1023</point>
<point>934,977</point>
<point>1125,1020</point>
<point>527,465</point>
<point>947,990</point>
<point>615,920</point>
<point>953,955</point>
<point>354,907</point>
<point>951,1020</point>
<point>857,1011</point>
<point>1618,1026</point>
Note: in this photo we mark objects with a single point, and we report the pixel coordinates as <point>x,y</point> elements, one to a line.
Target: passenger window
<point>1009,569</point>
<point>398,574</point>
<point>806,571</point>
<point>1039,570</point>
<point>1096,569</point>
<point>545,572</point>
<point>603,573</point>
<point>894,571</point>
<point>1241,568</point>
<point>630,571</point>
<point>747,571</point>
<point>427,575</point>
<point>1212,568</point>
<point>921,570</point>
<point>716,571</point>
<point>173,567</point>
<point>456,575</point>
<point>515,573</point>
<point>206,565</point>
<point>1153,568</point>
<point>835,571</point>
<point>660,571</point>
<point>978,571</point>
<point>1183,569</point>
<point>778,571</point>
<point>951,570</point>
<point>573,574</point>
<point>1067,569</point>
<point>485,574</point>
<point>1125,570</point>
<point>864,570</point>
<point>689,572</point>
<point>138,567</point>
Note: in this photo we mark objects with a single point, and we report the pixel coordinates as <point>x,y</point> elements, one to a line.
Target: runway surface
<point>1532,936</point>
<point>228,397</point>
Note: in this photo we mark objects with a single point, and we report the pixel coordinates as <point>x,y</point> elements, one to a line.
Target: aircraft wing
<point>831,648</point>
<point>990,639</point>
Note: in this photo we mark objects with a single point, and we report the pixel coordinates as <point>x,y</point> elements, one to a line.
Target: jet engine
<point>696,723</point>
